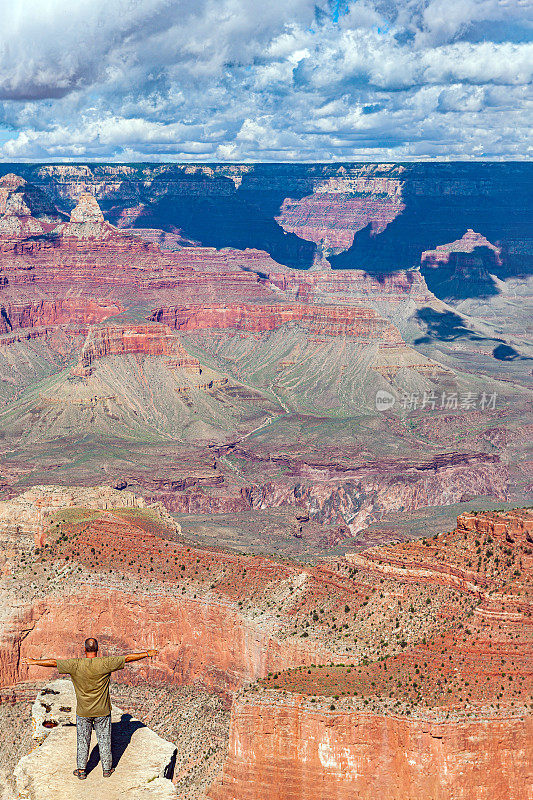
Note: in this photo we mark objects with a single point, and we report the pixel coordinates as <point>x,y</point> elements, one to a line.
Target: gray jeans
<point>102,727</point>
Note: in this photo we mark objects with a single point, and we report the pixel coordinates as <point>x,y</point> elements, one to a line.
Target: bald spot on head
<point>91,645</point>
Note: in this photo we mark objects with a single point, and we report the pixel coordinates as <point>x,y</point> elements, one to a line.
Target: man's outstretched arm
<point>138,656</point>
<point>40,662</point>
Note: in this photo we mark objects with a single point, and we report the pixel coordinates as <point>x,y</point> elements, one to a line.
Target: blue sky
<point>239,80</point>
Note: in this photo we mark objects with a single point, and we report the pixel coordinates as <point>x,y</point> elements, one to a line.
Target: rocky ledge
<point>143,761</point>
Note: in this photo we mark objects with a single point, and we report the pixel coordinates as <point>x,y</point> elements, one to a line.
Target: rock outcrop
<point>463,268</point>
<point>149,340</point>
<point>26,519</point>
<point>29,513</point>
<point>466,244</point>
<point>87,210</point>
<point>362,323</point>
<point>143,761</point>
<point>359,672</point>
<point>479,572</point>
<point>24,209</point>
<point>62,312</point>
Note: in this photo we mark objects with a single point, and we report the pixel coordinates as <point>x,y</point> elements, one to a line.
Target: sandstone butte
<point>466,244</point>
<point>331,217</point>
<point>402,671</point>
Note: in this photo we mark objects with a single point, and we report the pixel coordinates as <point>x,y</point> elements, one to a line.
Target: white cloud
<point>235,79</point>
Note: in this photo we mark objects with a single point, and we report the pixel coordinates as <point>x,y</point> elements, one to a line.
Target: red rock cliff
<point>200,641</point>
<point>63,311</point>
<point>359,322</point>
<point>150,340</point>
<point>287,751</point>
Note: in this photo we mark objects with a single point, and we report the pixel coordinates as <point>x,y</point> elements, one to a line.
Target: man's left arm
<point>138,656</point>
<point>40,662</point>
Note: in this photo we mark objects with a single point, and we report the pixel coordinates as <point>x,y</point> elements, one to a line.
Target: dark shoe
<point>80,773</point>
<point>108,772</point>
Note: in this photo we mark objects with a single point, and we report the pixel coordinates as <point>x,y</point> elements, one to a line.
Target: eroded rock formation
<point>66,311</point>
<point>446,717</point>
<point>362,323</point>
<point>139,339</point>
<point>339,207</point>
<point>214,377</point>
<point>358,672</point>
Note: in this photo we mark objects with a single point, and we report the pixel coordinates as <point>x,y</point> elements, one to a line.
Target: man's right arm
<point>139,656</point>
<point>40,662</point>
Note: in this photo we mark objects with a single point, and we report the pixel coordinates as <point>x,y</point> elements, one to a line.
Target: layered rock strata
<point>363,323</point>
<point>356,675</point>
<point>26,519</point>
<point>282,749</point>
<point>466,244</point>
<point>339,207</point>
<point>146,340</point>
<point>66,312</point>
<point>443,718</point>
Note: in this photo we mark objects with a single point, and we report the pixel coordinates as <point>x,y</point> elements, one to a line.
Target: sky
<point>265,80</point>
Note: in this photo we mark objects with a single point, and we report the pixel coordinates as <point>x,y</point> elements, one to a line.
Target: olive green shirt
<point>90,677</point>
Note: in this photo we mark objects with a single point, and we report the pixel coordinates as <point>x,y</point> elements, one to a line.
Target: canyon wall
<point>65,311</point>
<point>358,680</point>
<point>385,214</point>
<point>283,750</point>
<point>362,496</point>
<point>446,717</point>
<point>201,640</point>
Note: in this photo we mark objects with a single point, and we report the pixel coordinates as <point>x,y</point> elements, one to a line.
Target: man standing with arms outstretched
<point>90,676</point>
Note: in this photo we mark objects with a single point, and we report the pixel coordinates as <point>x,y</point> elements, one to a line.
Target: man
<point>90,676</point>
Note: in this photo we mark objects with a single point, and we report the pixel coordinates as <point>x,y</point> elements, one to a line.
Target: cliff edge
<point>143,761</point>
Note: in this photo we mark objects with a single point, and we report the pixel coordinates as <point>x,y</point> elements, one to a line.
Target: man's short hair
<point>91,645</point>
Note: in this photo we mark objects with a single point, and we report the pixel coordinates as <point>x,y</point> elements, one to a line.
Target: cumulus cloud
<point>287,79</point>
